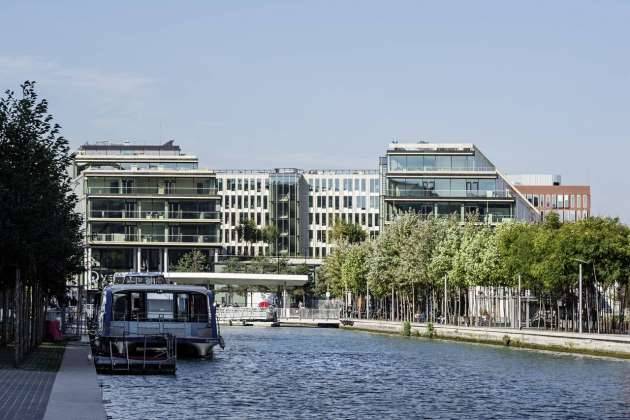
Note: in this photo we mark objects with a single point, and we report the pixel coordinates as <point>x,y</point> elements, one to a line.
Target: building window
<point>579,201</point>
<point>585,201</point>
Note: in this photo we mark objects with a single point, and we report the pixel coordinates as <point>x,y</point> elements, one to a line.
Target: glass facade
<point>288,211</point>
<point>427,179</point>
<point>415,162</point>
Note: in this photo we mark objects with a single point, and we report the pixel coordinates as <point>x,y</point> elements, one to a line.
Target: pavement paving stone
<point>25,391</point>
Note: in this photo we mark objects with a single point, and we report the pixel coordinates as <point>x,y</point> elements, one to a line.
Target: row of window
<point>245,201</point>
<point>243,184</point>
<point>324,219</point>
<point>345,184</point>
<point>347,202</point>
<point>402,163</point>
<point>558,201</point>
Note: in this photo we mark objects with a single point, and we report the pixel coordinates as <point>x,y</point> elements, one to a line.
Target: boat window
<point>199,307</point>
<point>159,305</point>
<point>120,307</point>
<point>137,306</point>
<point>182,307</point>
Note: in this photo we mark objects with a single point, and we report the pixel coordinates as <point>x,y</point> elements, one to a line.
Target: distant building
<point>302,204</point>
<point>448,179</point>
<point>548,194</point>
<point>143,207</point>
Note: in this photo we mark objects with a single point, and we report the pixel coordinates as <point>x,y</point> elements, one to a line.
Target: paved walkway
<point>24,391</point>
<point>76,394</point>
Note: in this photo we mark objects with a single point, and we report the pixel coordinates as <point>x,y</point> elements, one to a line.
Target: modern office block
<point>448,180</point>
<point>144,207</point>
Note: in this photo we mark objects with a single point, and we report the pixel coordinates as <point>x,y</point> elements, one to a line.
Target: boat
<point>144,324</point>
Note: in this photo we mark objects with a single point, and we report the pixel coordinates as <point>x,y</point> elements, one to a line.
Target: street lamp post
<point>580,291</point>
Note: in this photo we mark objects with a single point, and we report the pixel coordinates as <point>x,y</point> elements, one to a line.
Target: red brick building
<point>571,202</point>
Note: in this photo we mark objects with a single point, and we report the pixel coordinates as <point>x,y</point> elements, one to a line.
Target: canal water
<point>321,373</point>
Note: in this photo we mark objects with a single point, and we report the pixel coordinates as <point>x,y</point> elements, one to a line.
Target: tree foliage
<point>40,232</point>
<point>193,261</point>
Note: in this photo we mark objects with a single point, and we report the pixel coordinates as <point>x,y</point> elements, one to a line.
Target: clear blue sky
<point>539,86</point>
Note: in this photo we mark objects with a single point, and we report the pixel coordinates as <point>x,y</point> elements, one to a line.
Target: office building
<point>143,207</point>
<point>448,180</point>
<point>303,205</point>
<point>548,194</point>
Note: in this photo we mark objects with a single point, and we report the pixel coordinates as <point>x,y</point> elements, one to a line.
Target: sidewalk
<point>24,391</point>
<point>76,394</point>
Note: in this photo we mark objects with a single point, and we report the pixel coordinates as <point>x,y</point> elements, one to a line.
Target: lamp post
<point>580,291</point>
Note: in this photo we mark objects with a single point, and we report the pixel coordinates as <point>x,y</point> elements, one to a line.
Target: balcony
<point>153,238</point>
<point>431,194</point>
<point>157,190</point>
<point>441,169</point>
<point>156,215</point>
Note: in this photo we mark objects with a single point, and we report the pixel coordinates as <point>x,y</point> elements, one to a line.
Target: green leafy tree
<point>191,262</point>
<point>40,232</point>
<point>348,232</point>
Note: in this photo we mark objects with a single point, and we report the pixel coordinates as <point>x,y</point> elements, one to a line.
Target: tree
<point>40,232</point>
<point>192,262</point>
<point>348,232</point>
<point>248,231</point>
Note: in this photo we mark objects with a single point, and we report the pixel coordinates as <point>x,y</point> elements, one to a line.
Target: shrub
<point>506,340</point>
<point>406,331</point>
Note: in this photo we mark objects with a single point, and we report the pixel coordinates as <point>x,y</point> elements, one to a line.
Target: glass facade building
<point>447,180</point>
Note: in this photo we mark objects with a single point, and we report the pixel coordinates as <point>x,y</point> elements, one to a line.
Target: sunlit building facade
<point>448,180</point>
<point>143,207</point>
<point>549,195</point>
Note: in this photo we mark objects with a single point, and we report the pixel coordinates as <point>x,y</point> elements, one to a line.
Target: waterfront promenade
<point>53,383</point>
<point>76,394</point>
<point>595,344</point>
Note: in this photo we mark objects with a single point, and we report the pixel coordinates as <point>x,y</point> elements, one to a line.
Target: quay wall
<point>593,344</point>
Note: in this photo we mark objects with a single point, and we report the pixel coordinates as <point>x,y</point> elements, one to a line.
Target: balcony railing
<point>443,169</point>
<point>155,215</point>
<point>153,238</point>
<point>157,190</point>
<point>419,193</point>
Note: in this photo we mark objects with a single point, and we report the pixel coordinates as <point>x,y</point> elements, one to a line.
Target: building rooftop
<point>127,148</point>
<point>431,147</point>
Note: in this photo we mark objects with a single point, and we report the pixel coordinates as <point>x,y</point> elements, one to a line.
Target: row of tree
<point>39,230</point>
<point>442,270</point>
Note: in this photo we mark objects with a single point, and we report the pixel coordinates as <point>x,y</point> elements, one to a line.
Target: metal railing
<point>148,238</point>
<point>431,193</point>
<point>155,214</point>
<point>230,313</point>
<point>308,313</point>
<point>157,190</point>
<point>444,169</point>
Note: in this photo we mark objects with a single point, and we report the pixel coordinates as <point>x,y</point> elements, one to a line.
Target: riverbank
<point>617,346</point>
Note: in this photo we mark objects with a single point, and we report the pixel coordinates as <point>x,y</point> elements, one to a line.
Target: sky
<point>538,86</point>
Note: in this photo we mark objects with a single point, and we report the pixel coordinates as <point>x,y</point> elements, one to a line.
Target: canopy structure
<point>239,279</point>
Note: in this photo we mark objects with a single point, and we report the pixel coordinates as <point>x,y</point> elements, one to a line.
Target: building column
<point>89,268</point>
<point>138,259</point>
<point>165,260</point>
<point>284,300</point>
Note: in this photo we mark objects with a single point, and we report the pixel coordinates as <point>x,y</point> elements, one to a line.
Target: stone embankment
<point>593,344</point>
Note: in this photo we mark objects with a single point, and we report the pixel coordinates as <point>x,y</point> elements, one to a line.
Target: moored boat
<point>144,320</point>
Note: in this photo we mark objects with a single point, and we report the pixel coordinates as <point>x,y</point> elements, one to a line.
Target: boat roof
<point>157,287</point>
